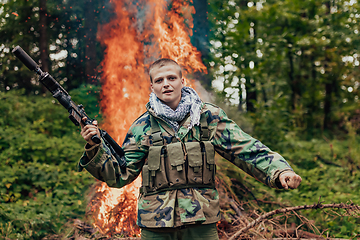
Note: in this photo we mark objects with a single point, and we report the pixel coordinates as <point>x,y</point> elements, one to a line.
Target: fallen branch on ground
<point>351,207</point>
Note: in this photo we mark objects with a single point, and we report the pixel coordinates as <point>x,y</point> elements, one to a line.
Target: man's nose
<point>166,82</point>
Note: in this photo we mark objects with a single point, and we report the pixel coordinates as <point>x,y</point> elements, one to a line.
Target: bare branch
<point>319,205</point>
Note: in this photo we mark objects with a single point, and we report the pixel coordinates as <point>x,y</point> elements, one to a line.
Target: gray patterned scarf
<point>190,102</point>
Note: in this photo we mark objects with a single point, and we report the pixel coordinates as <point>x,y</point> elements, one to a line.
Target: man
<point>173,145</point>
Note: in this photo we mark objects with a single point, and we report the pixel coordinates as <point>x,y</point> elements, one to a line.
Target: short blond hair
<point>163,62</point>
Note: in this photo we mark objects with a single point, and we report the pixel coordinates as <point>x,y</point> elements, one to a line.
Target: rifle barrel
<point>25,59</point>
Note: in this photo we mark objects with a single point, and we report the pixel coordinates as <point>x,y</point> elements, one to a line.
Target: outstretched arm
<point>250,154</point>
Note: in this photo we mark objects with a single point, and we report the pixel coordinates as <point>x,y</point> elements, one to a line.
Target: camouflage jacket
<point>178,207</point>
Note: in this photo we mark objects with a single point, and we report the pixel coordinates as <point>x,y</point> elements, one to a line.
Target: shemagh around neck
<point>190,102</point>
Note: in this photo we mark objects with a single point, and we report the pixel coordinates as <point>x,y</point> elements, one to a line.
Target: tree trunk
<point>251,95</point>
<point>251,92</point>
<point>313,104</point>
<point>90,41</point>
<point>329,89</point>
<point>292,81</point>
<point>43,41</point>
<point>328,85</point>
<point>200,38</point>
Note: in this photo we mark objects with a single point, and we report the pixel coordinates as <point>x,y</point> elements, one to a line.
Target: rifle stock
<point>76,112</point>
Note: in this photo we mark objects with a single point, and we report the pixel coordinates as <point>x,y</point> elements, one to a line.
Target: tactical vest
<point>178,165</point>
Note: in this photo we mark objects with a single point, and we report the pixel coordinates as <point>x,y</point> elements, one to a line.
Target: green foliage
<point>89,97</point>
<point>305,52</point>
<point>39,148</point>
<point>271,122</point>
<point>66,31</point>
<point>18,21</point>
<point>70,30</point>
<point>329,170</point>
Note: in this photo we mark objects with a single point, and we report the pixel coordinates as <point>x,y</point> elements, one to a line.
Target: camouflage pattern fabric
<point>188,205</point>
<point>193,232</point>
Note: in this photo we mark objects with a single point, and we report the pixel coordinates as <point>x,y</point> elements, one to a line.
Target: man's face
<point>167,84</point>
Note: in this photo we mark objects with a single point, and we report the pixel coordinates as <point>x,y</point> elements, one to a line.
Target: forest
<point>286,71</point>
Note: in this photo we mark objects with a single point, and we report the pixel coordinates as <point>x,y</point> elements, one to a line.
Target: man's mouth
<point>167,91</point>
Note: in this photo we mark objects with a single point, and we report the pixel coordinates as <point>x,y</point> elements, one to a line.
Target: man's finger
<point>290,180</point>
<point>284,182</point>
<point>295,181</point>
<point>90,130</point>
<point>81,122</point>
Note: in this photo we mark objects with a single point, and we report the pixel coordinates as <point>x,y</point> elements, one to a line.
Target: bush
<point>39,149</point>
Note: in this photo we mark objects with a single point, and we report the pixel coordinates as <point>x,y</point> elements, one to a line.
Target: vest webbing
<point>153,168</point>
<point>157,138</point>
<point>156,135</point>
<point>204,130</point>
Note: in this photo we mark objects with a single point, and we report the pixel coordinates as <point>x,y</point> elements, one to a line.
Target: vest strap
<point>157,138</point>
<point>204,130</point>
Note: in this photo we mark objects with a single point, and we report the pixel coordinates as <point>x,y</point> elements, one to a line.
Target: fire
<point>173,37</point>
<point>139,34</point>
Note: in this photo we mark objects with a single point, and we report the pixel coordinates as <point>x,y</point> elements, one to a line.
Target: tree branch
<point>351,206</point>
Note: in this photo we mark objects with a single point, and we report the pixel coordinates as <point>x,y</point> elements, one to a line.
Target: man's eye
<point>158,80</point>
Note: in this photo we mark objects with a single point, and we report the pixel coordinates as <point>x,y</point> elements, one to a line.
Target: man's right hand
<point>87,131</point>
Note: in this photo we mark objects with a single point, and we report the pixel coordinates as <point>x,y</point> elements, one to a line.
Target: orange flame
<point>132,43</point>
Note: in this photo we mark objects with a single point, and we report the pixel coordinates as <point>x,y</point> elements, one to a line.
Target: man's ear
<point>151,87</point>
<point>183,81</point>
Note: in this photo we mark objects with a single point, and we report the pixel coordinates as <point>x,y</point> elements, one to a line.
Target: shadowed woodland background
<point>286,71</point>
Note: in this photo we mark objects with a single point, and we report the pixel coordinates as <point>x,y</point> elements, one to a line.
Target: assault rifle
<point>76,112</point>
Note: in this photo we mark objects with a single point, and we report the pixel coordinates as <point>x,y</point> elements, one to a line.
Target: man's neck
<point>173,106</point>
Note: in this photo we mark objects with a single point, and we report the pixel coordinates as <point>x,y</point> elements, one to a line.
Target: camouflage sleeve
<point>99,162</point>
<point>246,152</point>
